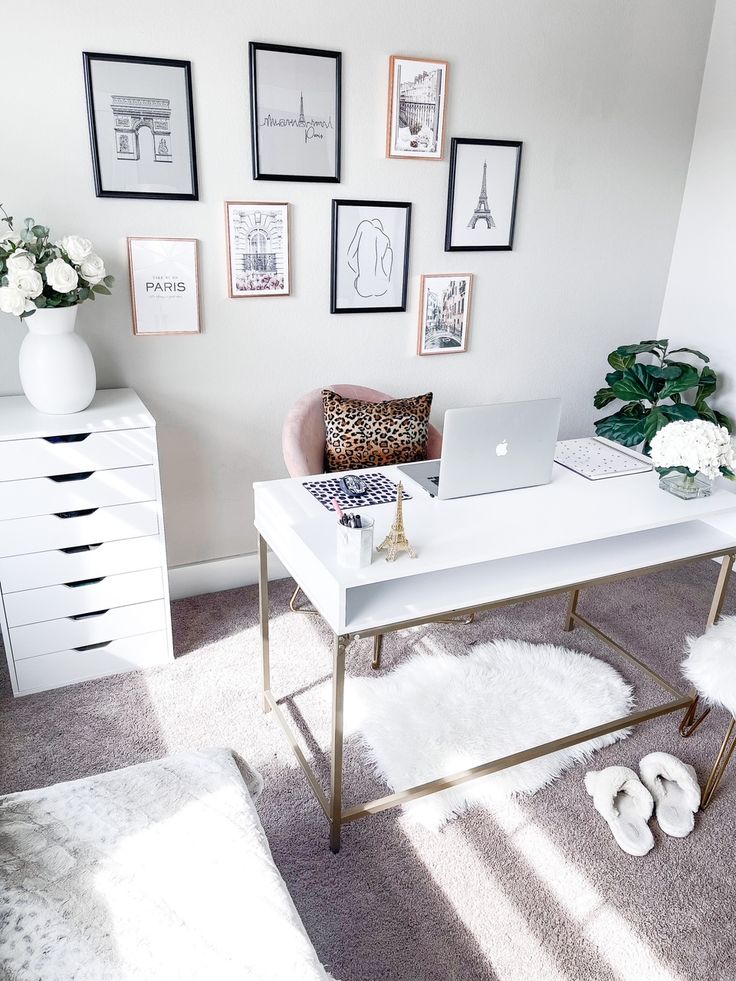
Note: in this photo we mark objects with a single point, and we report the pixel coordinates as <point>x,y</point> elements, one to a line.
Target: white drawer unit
<point>83,578</point>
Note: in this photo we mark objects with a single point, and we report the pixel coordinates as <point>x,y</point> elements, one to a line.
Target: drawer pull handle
<point>73,549</point>
<point>70,438</point>
<point>83,582</point>
<point>93,647</point>
<point>88,616</point>
<point>76,514</point>
<point>62,478</point>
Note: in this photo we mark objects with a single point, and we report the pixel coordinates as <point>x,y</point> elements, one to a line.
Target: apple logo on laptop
<point>502,448</point>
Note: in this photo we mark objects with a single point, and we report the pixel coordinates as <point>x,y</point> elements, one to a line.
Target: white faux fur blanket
<point>437,714</point>
<point>159,871</point>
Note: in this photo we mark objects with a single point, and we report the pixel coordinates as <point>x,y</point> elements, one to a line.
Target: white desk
<point>475,553</point>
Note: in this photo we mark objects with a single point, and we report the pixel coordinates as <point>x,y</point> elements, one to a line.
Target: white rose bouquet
<point>34,273</point>
<point>694,446</point>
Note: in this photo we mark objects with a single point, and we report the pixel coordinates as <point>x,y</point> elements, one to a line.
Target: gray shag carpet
<point>534,890</point>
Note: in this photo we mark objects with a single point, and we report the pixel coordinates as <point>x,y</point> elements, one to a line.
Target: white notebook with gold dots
<point>597,458</point>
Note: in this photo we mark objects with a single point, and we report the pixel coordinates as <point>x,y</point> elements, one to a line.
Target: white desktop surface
<point>446,534</point>
<point>483,549</point>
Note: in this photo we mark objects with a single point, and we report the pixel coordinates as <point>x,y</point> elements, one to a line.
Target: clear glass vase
<point>686,485</point>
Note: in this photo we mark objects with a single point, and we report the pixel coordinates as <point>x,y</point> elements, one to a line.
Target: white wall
<point>602,92</point>
<point>699,307</point>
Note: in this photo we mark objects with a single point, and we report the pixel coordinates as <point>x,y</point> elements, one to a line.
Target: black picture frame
<point>370,207</point>
<point>261,174</point>
<point>507,246</point>
<point>88,59</point>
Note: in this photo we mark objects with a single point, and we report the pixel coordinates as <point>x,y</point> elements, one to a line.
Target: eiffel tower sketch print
<point>482,211</point>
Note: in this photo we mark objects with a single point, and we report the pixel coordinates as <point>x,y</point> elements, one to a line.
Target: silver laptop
<point>490,448</point>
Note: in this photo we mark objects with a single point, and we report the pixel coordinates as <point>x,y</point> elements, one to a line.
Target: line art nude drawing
<point>371,258</point>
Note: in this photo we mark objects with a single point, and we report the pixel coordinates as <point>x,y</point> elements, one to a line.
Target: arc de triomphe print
<point>131,113</point>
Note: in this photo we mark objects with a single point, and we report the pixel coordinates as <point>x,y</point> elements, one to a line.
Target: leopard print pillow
<point>374,434</point>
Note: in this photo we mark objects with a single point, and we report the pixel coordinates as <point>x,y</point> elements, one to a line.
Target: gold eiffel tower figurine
<point>396,540</point>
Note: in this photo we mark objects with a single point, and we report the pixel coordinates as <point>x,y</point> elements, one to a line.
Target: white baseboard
<point>216,574</point>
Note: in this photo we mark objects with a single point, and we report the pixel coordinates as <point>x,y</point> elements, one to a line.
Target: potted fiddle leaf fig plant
<point>656,390</point>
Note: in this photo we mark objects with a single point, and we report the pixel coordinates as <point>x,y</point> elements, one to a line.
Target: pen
<point>338,510</point>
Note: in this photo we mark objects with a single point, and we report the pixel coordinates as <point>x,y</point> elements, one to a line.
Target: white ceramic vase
<point>56,367</point>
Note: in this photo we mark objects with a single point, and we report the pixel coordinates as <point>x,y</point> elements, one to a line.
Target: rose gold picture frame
<point>265,252</point>
<point>176,276</point>
<point>424,108</point>
<point>444,329</point>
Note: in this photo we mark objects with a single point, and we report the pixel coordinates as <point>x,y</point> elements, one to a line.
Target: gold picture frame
<point>423,82</point>
<point>164,285</point>
<point>444,323</point>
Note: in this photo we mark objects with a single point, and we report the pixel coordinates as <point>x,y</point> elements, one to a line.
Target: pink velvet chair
<point>303,436</point>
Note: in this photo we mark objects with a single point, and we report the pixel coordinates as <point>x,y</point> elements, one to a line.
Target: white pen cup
<point>355,545</point>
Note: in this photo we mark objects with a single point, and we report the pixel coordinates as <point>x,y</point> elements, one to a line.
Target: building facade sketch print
<point>419,110</point>
<point>259,255</point>
<point>371,258</point>
<point>482,210</point>
<point>133,113</point>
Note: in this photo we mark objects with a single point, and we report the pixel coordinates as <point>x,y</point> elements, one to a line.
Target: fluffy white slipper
<point>676,792</point>
<point>626,804</point>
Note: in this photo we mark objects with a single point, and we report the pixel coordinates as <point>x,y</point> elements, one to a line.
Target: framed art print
<point>141,127</point>
<point>164,285</point>
<point>295,113</point>
<point>444,313</point>
<point>370,256</point>
<point>257,248</point>
<point>417,91</point>
<point>481,198</point>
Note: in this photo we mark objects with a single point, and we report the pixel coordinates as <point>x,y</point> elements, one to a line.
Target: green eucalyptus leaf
<point>602,397</point>
<point>99,288</point>
<point>687,379</point>
<point>620,361</point>
<point>627,427</point>
<point>39,231</point>
<point>691,350</point>
<point>29,223</point>
<point>109,280</point>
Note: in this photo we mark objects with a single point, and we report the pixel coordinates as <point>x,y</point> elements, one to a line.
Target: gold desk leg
<point>299,609</point>
<point>338,694</point>
<point>690,723</point>
<point>572,605</point>
<point>719,767</point>
<point>377,650</point>
<point>263,606</point>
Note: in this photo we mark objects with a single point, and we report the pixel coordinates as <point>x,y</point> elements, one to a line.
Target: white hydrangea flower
<point>699,445</point>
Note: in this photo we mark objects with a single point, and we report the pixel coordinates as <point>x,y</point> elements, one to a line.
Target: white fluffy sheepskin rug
<point>437,714</point>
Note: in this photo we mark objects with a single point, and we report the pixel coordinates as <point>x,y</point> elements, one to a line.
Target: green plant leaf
<point>687,379</point>
<point>707,384</point>
<point>658,371</point>
<point>39,231</point>
<point>620,361</point>
<point>602,397</point>
<point>40,301</point>
<point>626,426</point>
<point>636,382</point>
<point>677,412</point>
<point>723,420</point>
<point>29,223</point>
<point>99,288</point>
<point>655,421</point>
<point>643,347</point>
<point>109,280</point>
<point>691,350</point>
<point>705,412</point>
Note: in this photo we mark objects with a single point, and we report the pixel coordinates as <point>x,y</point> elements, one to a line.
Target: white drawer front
<point>34,639</point>
<point>84,596</point>
<point>24,458</point>
<point>82,562</point>
<point>46,532</point>
<point>66,667</point>
<point>72,492</point>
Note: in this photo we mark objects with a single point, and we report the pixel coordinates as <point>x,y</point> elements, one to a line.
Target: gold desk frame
<point>332,805</point>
